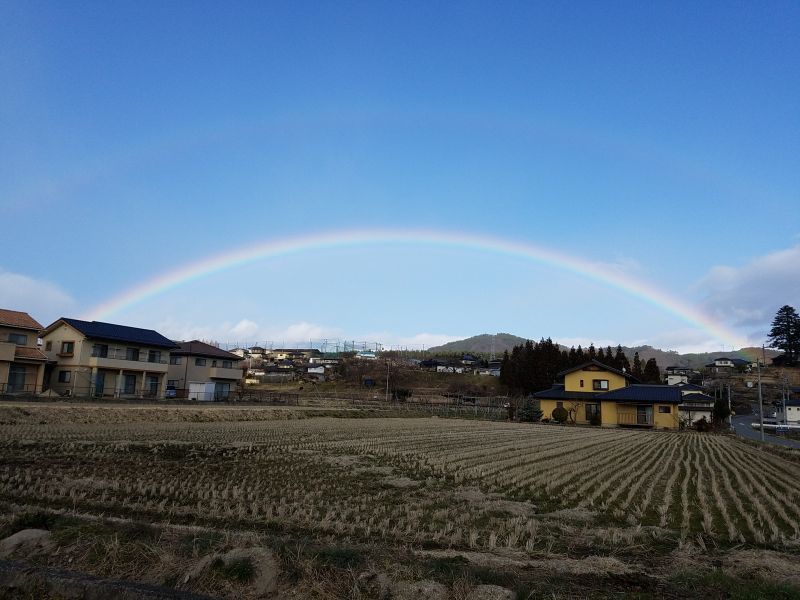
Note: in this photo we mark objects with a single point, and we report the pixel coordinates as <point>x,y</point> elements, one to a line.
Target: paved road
<point>741,425</point>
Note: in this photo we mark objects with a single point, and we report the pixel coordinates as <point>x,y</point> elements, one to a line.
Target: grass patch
<point>717,583</point>
<point>29,520</point>
<point>339,557</point>
<point>240,569</point>
<point>201,543</point>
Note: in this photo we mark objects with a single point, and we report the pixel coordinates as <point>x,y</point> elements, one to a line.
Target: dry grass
<point>593,502</point>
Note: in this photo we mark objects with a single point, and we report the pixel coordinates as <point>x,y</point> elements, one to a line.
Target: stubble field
<point>343,502</point>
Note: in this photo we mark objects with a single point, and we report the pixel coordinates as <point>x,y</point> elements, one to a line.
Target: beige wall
<point>666,420</point>
<point>189,372</point>
<point>34,369</point>
<point>83,367</point>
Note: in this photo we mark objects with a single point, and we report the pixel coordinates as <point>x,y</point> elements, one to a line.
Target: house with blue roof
<point>105,360</point>
<point>594,393</point>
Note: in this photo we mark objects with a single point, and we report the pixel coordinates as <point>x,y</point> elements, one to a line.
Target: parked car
<point>171,392</point>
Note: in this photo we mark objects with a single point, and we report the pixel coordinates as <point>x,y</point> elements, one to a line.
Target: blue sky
<point>662,139</point>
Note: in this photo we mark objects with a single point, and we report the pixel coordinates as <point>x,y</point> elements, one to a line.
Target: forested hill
<point>486,343</point>
<point>481,344</point>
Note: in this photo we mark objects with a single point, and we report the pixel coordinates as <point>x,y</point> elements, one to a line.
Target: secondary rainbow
<point>275,248</point>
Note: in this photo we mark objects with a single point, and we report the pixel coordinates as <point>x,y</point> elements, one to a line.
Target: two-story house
<point>598,394</point>
<point>106,360</point>
<point>22,364</point>
<point>210,370</point>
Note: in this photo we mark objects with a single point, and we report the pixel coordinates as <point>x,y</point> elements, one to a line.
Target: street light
<point>760,402</point>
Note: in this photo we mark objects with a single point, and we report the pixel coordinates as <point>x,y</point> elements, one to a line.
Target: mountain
<point>486,343</point>
<point>481,344</point>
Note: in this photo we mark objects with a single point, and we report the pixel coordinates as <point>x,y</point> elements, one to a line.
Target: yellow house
<point>105,360</point>
<point>594,393</point>
<point>21,362</point>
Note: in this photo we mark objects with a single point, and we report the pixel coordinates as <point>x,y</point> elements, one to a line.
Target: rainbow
<point>275,248</point>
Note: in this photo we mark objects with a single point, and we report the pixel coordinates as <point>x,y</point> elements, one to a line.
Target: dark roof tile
<point>198,348</point>
<point>119,333</point>
<point>644,393</point>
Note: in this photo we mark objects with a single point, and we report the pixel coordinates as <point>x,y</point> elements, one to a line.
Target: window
<point>172,383</point>
<point>665,409</point>
<point>67,348</point>
<point>48,346</point>
<point>154,356</point>
<point>175,360</point>
<point>152,385</point>
<point>64,376</point>
<point>227,364</point>
<point>222,390</point>
<point>200,362</point>
<point>129,384</point>
<point>100,350</point>
<point>559,404</point>
<point>599,384</point>
<point>213,363</point>
<point>581,382</point>
<point>16,378</point>
<point>18,339</point>
<point>131,354</point>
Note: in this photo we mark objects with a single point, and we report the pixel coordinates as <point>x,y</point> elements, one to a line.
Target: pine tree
<point>785,332</point>
<point>637,367</point>
<point>651,373</point>
<point>601,356</point>
<point>592,352</point>
<point>621,361</point>
<point>580,356</point>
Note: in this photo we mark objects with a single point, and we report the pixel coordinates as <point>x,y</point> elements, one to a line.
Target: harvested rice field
<point>292,503</point>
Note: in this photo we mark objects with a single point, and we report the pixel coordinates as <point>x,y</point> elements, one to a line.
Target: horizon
<point>630,166</point>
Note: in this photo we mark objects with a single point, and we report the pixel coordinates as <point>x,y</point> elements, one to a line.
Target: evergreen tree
<point>720,412</point>
<point>622,359</point>
<point>637,367</point>
<point>651,373</point>
<point>580,357</point>
<point>592,352</point>
<point>573,357</point>
<point>785,333</point>
<point>601,356</point>
<point>505,370</point>
<point>610,357</point>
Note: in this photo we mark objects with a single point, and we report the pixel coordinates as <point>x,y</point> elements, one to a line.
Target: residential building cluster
<point>73,357</point>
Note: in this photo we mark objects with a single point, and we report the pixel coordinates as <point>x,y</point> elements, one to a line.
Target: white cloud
<point>749,295</point>
<point>43,300</point>
<point>246,332</point>
<point>426,340</point>
<point>245,329</point>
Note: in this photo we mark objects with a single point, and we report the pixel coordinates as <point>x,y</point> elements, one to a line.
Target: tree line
<point>532,367</point>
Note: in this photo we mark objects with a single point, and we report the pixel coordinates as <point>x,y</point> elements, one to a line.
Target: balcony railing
<point>120,354</point>
<point>634,419</point>
<point>19,389</point>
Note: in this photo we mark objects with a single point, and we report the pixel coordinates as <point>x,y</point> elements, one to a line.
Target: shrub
<point>702,425</point>
<point>560,414</point>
